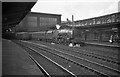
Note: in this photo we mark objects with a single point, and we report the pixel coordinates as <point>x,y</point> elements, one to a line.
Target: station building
<point>98,29</point>
<point>34,22</point>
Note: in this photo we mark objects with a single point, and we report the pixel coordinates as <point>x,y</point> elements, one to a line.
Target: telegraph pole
<point>72,26</point>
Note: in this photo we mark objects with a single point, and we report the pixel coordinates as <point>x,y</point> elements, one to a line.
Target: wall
<point>97,34</point>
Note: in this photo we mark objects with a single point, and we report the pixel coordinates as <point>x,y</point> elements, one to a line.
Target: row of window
<point>100,20</point>
<point>48,20</point>
<point>44,21</point>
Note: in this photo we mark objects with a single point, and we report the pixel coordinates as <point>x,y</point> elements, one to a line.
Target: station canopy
<point>14,12</point>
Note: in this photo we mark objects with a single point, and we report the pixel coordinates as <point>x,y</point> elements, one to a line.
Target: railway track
<point>87,64</point>
<point>96,56</point>
<point>110,63</point>
<point>90,51</point>
<point>109,59</point>
<point>105,50</point>
<point>76,68</point>
<point>49,67</point>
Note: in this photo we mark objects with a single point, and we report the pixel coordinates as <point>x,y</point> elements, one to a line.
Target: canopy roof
<point>14,12</point>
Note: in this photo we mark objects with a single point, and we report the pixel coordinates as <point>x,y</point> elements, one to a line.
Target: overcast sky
<point>81,9</point>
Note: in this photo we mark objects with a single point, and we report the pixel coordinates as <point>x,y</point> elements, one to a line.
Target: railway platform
<point>105,44</point>
<point>15,61</point>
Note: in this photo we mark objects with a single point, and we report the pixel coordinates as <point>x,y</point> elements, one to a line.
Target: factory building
<point>38,22</point>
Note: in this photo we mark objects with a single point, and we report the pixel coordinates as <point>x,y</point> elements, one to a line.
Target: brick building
<point>38,22</point>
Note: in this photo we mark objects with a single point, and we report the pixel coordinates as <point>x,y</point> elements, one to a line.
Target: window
<point>44,21</point>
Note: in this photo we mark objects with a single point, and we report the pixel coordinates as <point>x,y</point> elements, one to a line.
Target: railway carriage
<point>22,36</point>
<point>8,35</point>
<point>38,35</point>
